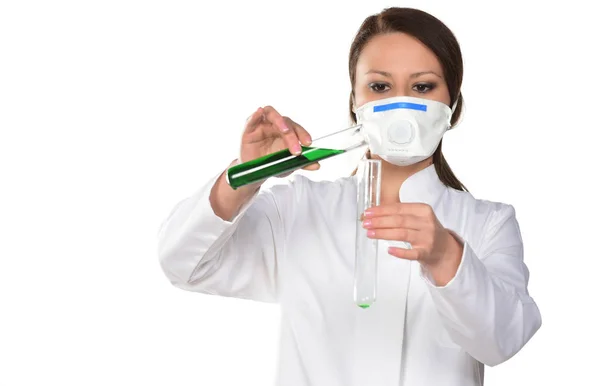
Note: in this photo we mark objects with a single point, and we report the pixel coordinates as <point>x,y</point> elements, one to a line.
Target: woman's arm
<point>227,245</point>
<point>486,307</point>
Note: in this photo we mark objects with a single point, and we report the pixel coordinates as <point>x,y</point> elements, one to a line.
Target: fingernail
<point>284,128</point>
<point>296,149</point>
<point>367,223</point>
<point>371,233</point>
<point>368,213</point>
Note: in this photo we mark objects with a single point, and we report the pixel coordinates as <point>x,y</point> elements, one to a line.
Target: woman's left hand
<point>434,246</point>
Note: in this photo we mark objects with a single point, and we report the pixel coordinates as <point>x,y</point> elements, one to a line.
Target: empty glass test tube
<point>365,270</point>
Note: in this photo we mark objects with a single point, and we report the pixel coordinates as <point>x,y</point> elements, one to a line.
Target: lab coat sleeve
<point>486,308</point>
<point>200,252</point>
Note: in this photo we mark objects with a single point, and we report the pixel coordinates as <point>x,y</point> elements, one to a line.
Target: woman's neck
<point>392,178</point>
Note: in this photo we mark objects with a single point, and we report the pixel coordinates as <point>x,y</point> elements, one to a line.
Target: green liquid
<point>275,164</point>
<point>364,305</point>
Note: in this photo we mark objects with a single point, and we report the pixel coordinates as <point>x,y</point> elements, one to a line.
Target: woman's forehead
<point>396,53</point>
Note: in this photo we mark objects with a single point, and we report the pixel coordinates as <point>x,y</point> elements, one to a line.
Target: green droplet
<point>364,305</point>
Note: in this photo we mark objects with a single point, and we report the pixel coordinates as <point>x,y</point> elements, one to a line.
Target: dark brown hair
<point>440,40</point>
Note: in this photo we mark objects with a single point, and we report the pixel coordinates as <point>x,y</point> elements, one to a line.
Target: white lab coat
<point>293,244</point>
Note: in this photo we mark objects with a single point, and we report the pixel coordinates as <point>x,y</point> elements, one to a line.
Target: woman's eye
<point>379,87</point>
<point>423,87</point>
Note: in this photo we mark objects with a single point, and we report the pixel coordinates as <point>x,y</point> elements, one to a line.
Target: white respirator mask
<point>404,130</point>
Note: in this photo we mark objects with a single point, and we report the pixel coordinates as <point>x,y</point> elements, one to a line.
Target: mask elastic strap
<point>455,103</point>
<point>452,111</point>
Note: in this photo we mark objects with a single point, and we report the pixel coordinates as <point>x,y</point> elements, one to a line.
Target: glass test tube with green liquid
<point>283,161</point>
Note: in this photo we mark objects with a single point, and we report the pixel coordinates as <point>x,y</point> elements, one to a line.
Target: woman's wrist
<point>226,201</point>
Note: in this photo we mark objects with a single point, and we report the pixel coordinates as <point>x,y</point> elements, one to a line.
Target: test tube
<point>365,270</point>
<point>283,161</point>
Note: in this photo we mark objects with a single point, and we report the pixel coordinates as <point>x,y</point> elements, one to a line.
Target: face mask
<point>404,130</point>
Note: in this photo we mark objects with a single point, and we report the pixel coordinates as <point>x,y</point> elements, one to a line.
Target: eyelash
<point>376,84</point>
<point>428,86</point>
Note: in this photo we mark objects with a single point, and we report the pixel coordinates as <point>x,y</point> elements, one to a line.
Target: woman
<point>454,302</point>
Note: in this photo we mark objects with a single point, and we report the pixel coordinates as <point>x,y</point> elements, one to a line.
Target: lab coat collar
<point>423,187</point>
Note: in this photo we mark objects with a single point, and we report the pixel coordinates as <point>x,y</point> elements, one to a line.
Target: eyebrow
<point>386,74</point>
<point>415,75</point>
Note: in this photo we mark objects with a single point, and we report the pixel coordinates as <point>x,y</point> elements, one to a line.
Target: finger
<point>290,139</point>
<point>315,166</point>
<point>253,120</point>
<point>273,117</point>
<point>284,174</point>
<point>279,124</point>
<point>408,254</point>
<point>301,133</point>
<point>417,209</point>
<point>394,221</point>
<point>396,234</point>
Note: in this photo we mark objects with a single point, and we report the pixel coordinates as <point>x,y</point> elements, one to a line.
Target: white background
<point>113,111</point>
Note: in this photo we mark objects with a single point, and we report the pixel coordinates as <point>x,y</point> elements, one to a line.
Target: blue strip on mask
<point>400,105</point>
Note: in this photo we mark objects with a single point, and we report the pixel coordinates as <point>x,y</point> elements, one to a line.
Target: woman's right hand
<point>266,132</point>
